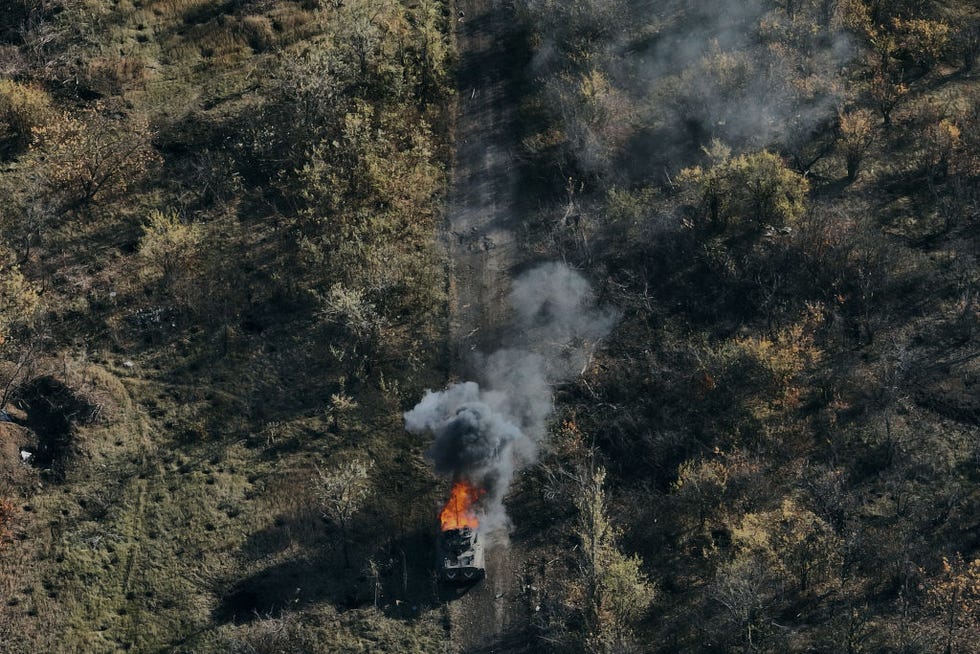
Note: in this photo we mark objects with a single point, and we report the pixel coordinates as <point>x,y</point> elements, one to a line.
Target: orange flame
<point>458,512</point>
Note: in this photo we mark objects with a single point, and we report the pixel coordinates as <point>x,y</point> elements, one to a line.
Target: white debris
<point>25,455</point>
<point>128,364</point>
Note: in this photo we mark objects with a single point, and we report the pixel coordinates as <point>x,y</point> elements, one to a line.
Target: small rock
<point>128,364</point>
<point>25,455</point>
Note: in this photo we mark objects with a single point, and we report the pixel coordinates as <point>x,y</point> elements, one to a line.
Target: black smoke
<point>485,431</point>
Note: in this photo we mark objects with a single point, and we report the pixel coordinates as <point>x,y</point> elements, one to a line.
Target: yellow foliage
<point>730,69</point>
<point>856,136</point>
<point>615,591</point>
<point>701,473</point>
<point>853,15</point>
<point>767,369</point>
<point>593,86</point>
<point>796,542</point>
<point>924,41</point>
<point>700,488</point>
<point>569,441</point>
<point>942,141</point>
<point>886,93</point>
<point>94,155</point>
<point>953,599</point>
<point>752,191</point>
<point>19,301</point>
<point>23,109</point>
<point>856,128</point>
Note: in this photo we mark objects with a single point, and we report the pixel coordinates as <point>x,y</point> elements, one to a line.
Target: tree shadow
<point>305,529</point>
<point>307,570</point>
<point>286,586</point>
<point>399,577</point>
<point>52,413</point>
<point>407,577</point>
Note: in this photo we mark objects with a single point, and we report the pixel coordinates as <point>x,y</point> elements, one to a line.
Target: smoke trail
<point>485,432</point>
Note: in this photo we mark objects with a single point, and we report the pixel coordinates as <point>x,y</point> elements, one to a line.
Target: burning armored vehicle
<point>461,555</point>
<point>459,547</point>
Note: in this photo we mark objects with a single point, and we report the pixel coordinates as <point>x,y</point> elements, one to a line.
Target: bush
<point>856,134</point>
<point>94,156</point>
<point>23,109</point>
<point>926,42</point>
<point>19,301</point>
<point>942,143</point>
<point>749,191</point>
<point>170,250</point>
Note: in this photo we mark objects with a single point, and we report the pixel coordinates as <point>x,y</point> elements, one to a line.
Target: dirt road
<point>483,198</point>
<point>480,234</point>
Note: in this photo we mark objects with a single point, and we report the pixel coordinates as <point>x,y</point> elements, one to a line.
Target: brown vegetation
<point>220,287</point>
<point>217,233</point>
<point>778,227</point>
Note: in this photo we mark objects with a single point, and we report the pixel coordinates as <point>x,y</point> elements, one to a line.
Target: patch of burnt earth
<point>53,412</point>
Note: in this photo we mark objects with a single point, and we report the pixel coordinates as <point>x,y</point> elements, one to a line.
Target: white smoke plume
<point>487,430</point>
<point>752,73</point>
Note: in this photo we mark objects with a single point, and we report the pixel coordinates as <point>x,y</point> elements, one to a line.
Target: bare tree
<point>616,591</point>
<point>341,491</point>
<point>856,134</point>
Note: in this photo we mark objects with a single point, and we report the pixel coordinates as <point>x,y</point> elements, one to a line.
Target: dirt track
<point>480,234</point>
<point>483,198</point>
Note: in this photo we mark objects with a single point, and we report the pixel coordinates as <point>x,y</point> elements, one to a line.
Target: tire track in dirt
<point>483,195</point>
<point>481,239</point>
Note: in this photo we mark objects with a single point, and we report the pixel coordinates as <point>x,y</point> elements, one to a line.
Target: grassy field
<point>200,353</point>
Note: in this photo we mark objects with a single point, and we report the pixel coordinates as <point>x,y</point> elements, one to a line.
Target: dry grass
<point>169,10</point>
<point>112,76</point>
<point>140,543</point>
<point>177,494</point>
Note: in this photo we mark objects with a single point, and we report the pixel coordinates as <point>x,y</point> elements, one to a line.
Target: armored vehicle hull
<point>461,556</point>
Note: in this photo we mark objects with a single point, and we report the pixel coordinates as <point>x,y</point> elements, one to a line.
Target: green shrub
<point>169,249</point>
